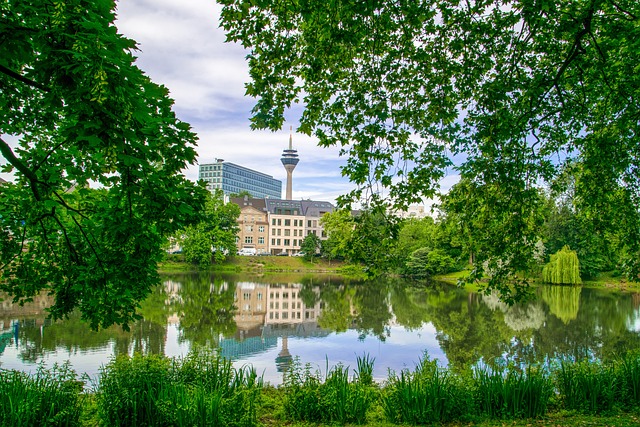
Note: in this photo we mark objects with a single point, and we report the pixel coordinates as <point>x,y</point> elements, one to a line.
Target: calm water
<point>267,321</point>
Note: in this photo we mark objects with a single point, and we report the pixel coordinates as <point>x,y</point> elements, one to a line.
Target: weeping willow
<point>563,268</point>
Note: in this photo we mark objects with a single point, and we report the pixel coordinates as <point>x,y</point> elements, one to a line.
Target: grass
<point>202,389</point>
<point>47,398</point>
<point>174,263</point>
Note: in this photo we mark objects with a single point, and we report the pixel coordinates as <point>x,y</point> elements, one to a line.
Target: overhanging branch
<point>23,79</point>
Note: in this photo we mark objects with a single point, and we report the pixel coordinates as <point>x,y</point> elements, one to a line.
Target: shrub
<point>425,262</point>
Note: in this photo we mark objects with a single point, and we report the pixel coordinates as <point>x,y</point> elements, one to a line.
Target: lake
<point>268,321</point>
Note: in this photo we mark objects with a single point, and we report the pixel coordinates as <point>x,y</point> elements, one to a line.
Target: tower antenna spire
<point>289,160</point>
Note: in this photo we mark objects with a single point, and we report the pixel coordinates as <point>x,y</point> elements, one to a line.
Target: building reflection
<point>268,313</point>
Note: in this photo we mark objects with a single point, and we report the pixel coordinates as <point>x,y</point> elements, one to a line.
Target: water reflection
<point>267,321</point>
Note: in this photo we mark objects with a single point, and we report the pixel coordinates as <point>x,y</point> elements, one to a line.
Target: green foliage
<point>310,246</point>
<point>512,92</point>
<point>83,114</point>
<point>336,399</point>
<point>214,236</point>
<point>512,393</point>
<point>46,398</point>
<point>428,395</point>
<point>368,238</point>
<point>563,268</point>
<point>200,389</point>
<point>425,262</point>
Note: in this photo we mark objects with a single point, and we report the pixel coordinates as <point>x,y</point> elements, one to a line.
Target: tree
<point>339,226</point>
<point>510,91</point>
<point>310,245</point>
<point>211,239</point>
<point>83,114</point>
<point>426,262</point>
<point>563,268</point>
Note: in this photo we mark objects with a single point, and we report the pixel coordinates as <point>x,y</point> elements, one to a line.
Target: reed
<point>629,379</point>
<point>427,395</point>
<point>586,386</point>
<point>512,393</point>
<point>198,390</point>
<point>336,399</point>
<point>50,397</point>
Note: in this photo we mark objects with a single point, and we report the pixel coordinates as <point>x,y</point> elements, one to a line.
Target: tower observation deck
<point>289,161</point>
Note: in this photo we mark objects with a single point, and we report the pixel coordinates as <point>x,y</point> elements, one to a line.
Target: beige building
<point>253,224</point>
<point>278,226</point>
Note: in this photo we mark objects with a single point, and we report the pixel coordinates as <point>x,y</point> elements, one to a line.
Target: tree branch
<point>23,79</point>
<point>8,154</point>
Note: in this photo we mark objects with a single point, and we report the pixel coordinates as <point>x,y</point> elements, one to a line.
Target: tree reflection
<point>206,309</point>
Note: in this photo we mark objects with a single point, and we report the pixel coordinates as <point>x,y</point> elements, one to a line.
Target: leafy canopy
<point>84,115</point>
<point>214,236</point>
<point>510,90</point>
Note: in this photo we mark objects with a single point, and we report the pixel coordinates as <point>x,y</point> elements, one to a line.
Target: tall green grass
<point>512,393</point>
<point>596,387</point>
<point>338,398</point>
<point>429,394</point>
<point>198,390</point>
<point>50,397</point>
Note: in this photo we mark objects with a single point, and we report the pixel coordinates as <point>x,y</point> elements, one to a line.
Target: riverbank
<point>604,280</point>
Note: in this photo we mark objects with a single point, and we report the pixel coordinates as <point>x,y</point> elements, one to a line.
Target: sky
<point>182,47</point>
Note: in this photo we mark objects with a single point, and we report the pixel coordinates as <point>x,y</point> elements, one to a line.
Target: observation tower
<point>289,161</point>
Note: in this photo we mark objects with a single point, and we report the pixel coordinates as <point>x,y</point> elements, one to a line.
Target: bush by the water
<point>426,262</point>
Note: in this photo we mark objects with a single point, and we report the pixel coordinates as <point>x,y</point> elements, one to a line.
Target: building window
<point>285,295</point>
<point>246,296</point>
<point>287,232</point>
<point>295,232</point>
<point>278,231</point>
<point>309,223</point>
<point>273,231</point>
<point>285,316</point>
<point>285,305</point>
<point>287,242</point>
<point>277,242</point>
<point>279,221</point>
<point>249,228</point>
<point>261,229</point>
<point>261,240</point>
<point>259,296</point>
<point>287,222</point>
<point>273,222</point>
<point>273,241</point>
<point>248,239</point>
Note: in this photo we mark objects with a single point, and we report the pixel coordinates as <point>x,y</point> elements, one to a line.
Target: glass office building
<point>233,179</point>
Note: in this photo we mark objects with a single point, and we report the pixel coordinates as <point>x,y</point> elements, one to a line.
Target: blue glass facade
<point>233,179</point>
